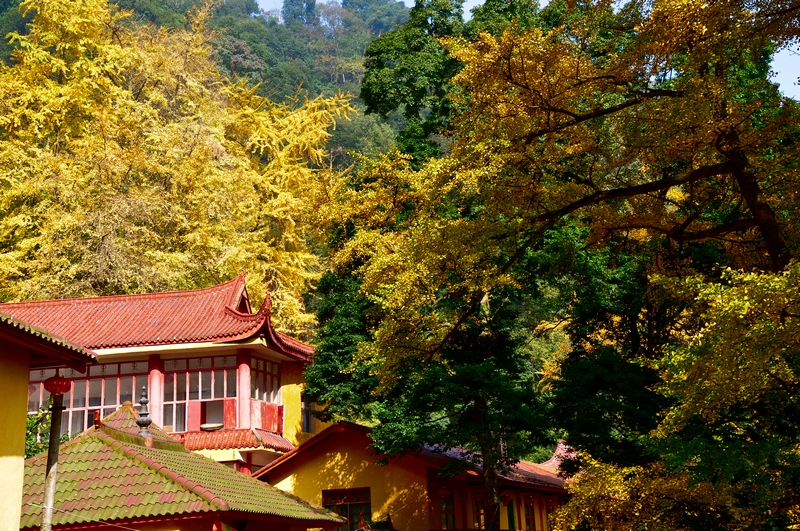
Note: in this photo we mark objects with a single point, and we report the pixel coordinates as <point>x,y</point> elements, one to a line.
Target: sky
<point>786,64</point>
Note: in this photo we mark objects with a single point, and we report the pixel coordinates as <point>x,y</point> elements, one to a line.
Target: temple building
<point>219,376</point>
<point>338,470</point>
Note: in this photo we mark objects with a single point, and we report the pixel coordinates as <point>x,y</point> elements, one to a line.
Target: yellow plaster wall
<point>221,456</point>
<point>292,384</point>
<point>14,383</point>
<point>342,462</point>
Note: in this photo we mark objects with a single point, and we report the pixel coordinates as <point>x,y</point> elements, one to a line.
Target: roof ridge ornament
<point>144,419</point>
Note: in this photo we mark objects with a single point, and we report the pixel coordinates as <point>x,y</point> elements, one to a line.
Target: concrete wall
<point>343,462</point>
<point>14,363</point>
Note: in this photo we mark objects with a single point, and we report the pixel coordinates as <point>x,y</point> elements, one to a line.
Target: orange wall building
<point>337,469</point>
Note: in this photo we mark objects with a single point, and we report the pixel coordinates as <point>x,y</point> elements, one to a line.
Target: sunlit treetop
<point>130,165</point>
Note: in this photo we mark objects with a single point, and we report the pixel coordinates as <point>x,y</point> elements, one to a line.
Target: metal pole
<point>52,462</point>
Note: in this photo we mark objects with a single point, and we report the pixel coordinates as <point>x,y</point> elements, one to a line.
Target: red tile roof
<point>47,349</point>
<point>252,438</point>
<point>523,472</point>
<point>216,314</point>
<point>561,453</point>
<point>110,474</point>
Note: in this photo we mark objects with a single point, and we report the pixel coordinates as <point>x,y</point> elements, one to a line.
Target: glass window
<point>478,513</point>
<point>107,386</point>
<point>308,420</point>
<point>353,504</point>
<point>447,511</point>
<point>530,514</point>
<point>202,379</point>
<point>265,380</point>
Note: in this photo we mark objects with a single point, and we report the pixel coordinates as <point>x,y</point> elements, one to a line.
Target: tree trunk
<point>491,480</point>
<point>762,213</point>
<point>490,456</point>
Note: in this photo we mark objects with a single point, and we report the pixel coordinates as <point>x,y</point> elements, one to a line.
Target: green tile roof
<point>110,473</point>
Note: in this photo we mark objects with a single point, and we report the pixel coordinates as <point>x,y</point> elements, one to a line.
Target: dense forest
<point>306,48</point>
<point>575,221</point>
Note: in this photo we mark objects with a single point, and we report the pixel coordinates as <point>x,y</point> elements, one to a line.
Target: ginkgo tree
<point>128,164</point>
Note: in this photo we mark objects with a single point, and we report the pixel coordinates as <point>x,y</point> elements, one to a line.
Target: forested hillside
<point>307,48</point>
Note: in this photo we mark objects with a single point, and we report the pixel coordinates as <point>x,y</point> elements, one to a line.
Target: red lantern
<point>57,385</point>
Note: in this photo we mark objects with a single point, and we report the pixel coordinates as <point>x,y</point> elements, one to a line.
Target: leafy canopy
<point>127,164</point>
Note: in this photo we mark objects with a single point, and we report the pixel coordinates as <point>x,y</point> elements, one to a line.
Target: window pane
<point>94,392</point>
<point>231,386</point>
<point>78,422</point>
<point>79,394</point>
<point>169,387</point>
<point>262,386</point>
<point>110,395</point>
<point>180,386</point>
<point>67,396</point>
<point>42,374</point>
<point>168,418</point>
<point>33,397</point>
<point>215,412</point>
<point>200,363</point>
<point>126,389</point>
<point>219,384</point>
<point>206,389</point>
<point>180,417</point>
<point>175,365</point>
<point>276,389</point>
<point>225,361</point>
<point>107,412</point>
<point>194,385</point>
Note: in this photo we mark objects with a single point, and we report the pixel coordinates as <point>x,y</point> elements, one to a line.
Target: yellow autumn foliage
<point>128,164</point>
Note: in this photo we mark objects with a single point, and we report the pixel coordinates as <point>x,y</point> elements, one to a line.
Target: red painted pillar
<point>243,388</point>
<point>155,392</point>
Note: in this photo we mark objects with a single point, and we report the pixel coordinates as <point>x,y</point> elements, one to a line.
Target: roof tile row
<point>215,314</point>
<point>110,474</point>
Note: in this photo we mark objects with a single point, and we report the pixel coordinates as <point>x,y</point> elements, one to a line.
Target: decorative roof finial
<point>144,419</point>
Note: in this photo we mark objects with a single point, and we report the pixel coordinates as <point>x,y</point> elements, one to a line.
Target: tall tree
<point>299,12</point>
<point>129,164</point>
<point>407,69</point>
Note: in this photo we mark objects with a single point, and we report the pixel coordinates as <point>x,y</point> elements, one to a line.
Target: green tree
<point>299,12</point>
<point>407,69</point>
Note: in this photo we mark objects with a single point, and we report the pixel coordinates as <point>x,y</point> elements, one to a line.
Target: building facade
<point>337,469</point>
<point>218,375</point>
